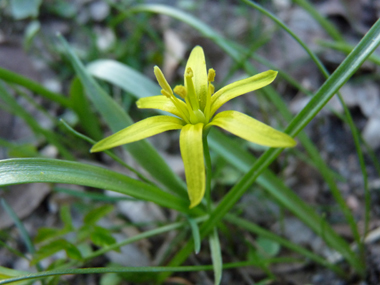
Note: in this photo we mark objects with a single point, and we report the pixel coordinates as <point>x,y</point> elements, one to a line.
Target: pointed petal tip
<point>195,203</point>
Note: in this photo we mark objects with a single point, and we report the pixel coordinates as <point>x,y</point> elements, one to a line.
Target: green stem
<point>207,156</point>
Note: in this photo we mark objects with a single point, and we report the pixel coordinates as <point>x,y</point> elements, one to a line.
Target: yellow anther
<point>211,75</point>
<point>162,81</point>
<point>180,91</point>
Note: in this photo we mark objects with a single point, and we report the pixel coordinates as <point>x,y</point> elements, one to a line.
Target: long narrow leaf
<point>15,78</point>
<point>216,256</point>
<point>31,170</point>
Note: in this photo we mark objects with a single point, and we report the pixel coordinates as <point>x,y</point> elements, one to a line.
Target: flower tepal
<point>194,106</point>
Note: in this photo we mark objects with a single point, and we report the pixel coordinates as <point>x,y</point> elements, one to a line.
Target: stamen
<point>162,81</point>
<point>180,91</point>
<point>211,75</point>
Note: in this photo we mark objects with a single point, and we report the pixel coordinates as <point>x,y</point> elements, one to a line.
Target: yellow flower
<point>194,110</point>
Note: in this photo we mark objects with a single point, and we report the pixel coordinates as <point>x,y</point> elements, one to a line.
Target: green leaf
<point>72,251</point>
<point>44,234</point>
<point>32,170</point>
<point>12,77</point>
<point>96,214</point>
<point>101,237</point>
<point>49,249</point>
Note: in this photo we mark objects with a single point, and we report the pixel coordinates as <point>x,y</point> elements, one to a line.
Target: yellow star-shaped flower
<point>194,111</point>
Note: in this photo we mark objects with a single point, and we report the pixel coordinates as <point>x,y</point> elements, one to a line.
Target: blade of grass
<point>102,270</point>
<point>32,170</point>
<point>195,232</point>
<point>346,48</point>
<point>15,78</point>
<point>216,256</point>
<point>323,21</point>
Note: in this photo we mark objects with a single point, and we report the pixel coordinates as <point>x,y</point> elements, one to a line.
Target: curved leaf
<point>32,170</point>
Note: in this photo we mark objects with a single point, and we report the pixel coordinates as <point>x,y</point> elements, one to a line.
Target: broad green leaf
<point>31,170</point>
<point>117,119</point>
<point>96,214</point>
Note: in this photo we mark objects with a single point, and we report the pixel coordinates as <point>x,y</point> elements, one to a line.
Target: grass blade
<point>32,170</point>
<point>216,256</point>
<point>15,78</point>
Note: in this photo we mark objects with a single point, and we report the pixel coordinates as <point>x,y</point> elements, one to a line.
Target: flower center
<point>191,112</point>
